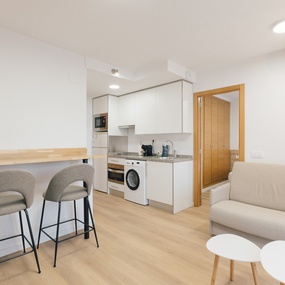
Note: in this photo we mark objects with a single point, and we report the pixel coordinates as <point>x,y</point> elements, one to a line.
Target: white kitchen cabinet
<point>159,182</point>
<point>100,105</point>
<point>113,115</point>
<point>182,186</point>
<point>170,184</point>
<point>109,104</point>
<point>169,108</point>
<point>126,110</point>
<point>145,112</point>
<point>165,109</point>
<point>187,105</point>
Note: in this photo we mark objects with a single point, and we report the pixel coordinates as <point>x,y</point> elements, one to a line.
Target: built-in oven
<point>116,173</point>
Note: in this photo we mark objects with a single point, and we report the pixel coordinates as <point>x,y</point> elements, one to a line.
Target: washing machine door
<point>132,179</point>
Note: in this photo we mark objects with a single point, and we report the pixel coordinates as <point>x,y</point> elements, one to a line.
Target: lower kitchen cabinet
<point>159,182</point>
<point>170,184</point>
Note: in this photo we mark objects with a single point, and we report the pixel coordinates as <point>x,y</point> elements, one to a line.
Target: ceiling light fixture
<point>114,86</point>
<point>279,27</point>
<point>115,71</point>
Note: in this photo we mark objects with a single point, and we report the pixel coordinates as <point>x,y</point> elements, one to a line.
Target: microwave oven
<point>100,122</point>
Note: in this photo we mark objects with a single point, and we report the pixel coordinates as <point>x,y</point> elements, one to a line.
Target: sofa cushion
<point>259,184</point>
<point>263,222</point>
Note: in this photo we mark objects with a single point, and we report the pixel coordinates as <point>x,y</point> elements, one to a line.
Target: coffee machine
<point>147,150</point>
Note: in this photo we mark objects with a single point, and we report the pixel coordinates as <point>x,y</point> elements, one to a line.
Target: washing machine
<point>135,184</point>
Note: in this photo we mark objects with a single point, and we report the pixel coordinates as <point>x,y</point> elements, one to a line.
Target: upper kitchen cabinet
<point>145,112</point>
<point>126,110</point>
<point>109,104</point>
<point>169,108</point>
<point>100,105</point>
<point>113,115</point>
<point>165,109</point>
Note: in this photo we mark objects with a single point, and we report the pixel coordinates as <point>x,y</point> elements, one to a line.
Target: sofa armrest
<point>220,193</point>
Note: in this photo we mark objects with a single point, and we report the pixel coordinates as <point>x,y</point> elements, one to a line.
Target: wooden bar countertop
<point>25,156</point>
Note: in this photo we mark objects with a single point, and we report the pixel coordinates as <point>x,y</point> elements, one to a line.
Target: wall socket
<point>256,154</point>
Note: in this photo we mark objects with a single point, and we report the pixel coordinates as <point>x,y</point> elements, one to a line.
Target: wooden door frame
<point>197,141</point>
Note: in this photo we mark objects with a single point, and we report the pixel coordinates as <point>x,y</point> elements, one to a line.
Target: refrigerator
<point>100,161</point>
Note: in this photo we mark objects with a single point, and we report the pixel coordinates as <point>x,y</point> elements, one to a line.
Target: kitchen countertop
<point>135,156</point>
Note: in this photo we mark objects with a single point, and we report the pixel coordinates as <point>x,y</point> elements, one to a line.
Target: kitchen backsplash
<point>182,143</point>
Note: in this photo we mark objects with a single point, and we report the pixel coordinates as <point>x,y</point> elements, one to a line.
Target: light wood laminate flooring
<point>139,245</point>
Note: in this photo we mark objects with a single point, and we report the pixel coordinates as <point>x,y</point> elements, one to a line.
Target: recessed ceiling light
<point>279,27</point>
<point>114,86</point>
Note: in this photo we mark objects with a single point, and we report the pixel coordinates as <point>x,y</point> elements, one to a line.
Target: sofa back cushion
<point>259,184</point>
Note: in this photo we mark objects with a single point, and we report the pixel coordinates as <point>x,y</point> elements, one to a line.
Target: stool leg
<point>214,273</point>
<point>32,240</point>
<point>22,231</point>
<point>92,220</point>
<point>57,233</point>
<point>232,269</point>
<point>75,216</point>
<point>41,223</point>
<point>254,272</point>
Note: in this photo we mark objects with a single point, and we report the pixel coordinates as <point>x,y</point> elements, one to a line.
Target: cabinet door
<point>183,186</point>
<point>145,112</point>
<point>100,105</point>
<point>113,129</point>
<point>127,110</point>
<point>101,170</point>
<point>187,103</point>
<point>159,182</point>
<point>169,108</point>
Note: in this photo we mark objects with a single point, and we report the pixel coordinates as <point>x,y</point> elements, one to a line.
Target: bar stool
<point>61,189</point>
<point>17,193</point>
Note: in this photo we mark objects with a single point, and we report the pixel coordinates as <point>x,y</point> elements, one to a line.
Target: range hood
<point>126,126</point>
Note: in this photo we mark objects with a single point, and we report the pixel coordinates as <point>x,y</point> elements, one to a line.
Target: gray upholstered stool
<point>61,189</point>
<point>17,193</point>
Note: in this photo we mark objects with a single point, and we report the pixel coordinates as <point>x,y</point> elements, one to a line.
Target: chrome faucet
<point>172,149</point>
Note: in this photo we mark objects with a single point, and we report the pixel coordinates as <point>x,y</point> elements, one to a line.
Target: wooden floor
<point>139,245</point>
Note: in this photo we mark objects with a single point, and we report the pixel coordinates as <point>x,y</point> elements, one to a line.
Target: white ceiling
<point>134,35</point>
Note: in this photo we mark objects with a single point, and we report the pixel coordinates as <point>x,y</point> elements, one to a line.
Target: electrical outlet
<point>256,154</point>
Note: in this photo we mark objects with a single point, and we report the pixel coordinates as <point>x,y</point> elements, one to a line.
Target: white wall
<point>42,93</point>
<point>42,105</point>
<point>264,102</point>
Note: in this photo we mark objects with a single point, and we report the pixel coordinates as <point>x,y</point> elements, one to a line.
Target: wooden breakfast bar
<point>26,156</point>
<point>43,164</point>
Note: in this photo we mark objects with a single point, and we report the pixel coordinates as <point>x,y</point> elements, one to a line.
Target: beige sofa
<point>251,204</point>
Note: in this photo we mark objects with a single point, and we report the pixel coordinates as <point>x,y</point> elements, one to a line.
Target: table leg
<point>214,273</point>
<point>232,269</point>
<point>254,272</point>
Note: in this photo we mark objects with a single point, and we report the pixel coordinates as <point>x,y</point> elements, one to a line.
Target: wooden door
<point>216,140</point>
<point>207,140</point>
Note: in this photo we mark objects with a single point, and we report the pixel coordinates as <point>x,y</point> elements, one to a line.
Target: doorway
<point>198,158</point>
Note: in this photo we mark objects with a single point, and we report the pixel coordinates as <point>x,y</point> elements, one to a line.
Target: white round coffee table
<point>272,258</point>
<point>234,248</point>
